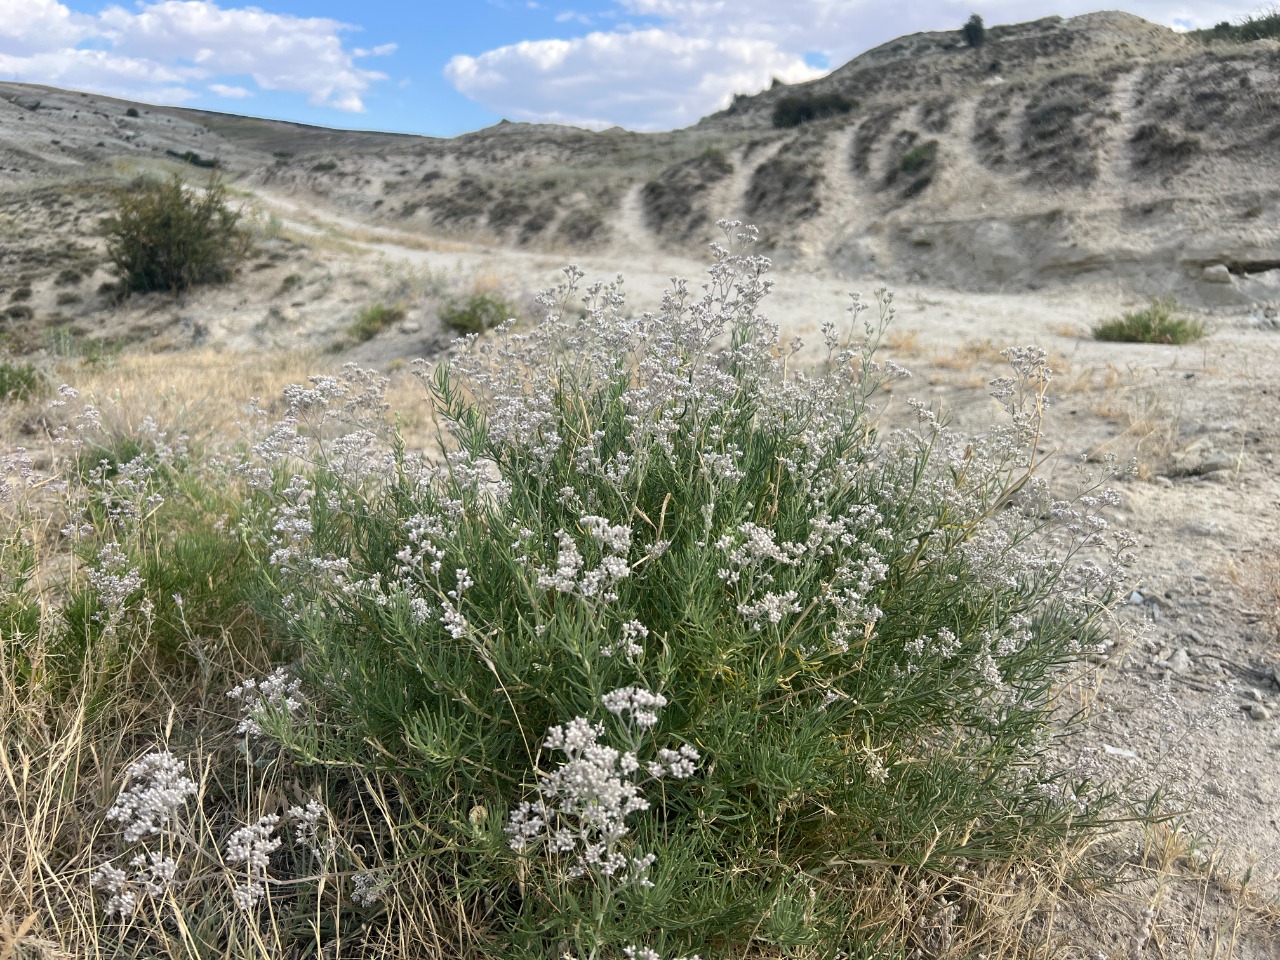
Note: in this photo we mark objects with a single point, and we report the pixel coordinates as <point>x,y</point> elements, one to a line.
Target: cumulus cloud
<point>165,50</point>
<point>692,55</point>
<point>643,79</point>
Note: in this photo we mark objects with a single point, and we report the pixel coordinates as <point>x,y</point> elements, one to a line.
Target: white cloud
<point>162,51</point>
<point>700,52</point>
<point>234,93</point>
<point>381,50</point>
<point>642,79</point>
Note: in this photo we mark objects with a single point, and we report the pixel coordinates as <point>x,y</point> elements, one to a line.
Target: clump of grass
<point>19,381</point>
<point>475,312</point>
<point>1159,322</point>
<point>163,235</point>
<point>372,320</point>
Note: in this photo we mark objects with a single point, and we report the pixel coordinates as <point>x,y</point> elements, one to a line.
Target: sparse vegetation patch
<point>673,200</point>
<point>1155,145</point>
<point>373,320</point>
<point>1159,322</point>
<point>476,312</point>
<point>18,381</point>
<point>793,110</point>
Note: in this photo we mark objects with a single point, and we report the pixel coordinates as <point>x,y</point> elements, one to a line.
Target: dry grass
<point>204,393</point>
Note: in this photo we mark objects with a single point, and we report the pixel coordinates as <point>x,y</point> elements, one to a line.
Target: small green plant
<point>476,312</point>
<point>1157,323</point>
<point>373,320</point>
<point>165,235</point>
<point>325,166</point>
<point>974,32</point>
<point>193,158</point>
<point>19,381</point>
<point>20,293</point>
<point>919,157</point>
<point>792,111</point>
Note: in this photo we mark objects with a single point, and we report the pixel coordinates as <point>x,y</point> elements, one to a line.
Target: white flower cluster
<point>253,845</point>
<point>583,805</point>
<point>614,544</point>
<point>645,953</point>
<point>153,875</point>
<point>633,632</point>
<point>115,581</point>
<point>753,551</point>
<point>369,888</point>
<point>306,828</point>
<point>278,692</point>
<point>157,792</point>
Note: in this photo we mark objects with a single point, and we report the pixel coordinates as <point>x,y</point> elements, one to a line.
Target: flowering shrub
<point>853,635</point>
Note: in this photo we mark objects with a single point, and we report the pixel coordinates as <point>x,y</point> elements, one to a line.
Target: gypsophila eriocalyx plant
<point>857,632</point>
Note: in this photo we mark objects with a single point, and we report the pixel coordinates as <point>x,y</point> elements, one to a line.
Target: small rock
<point>1136,599</point>
<point>1180,662</point>
<point>1216,273</point>
<point>1258,711</point>
<point>410,326</point>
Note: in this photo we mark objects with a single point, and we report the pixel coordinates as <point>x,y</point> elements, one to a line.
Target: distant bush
<point>1157,323</point>
<point>325,166</point>
<point>919,158</point>
<point>18,381</point>
<point>791,111</point>
<point>373,320</point>
<point>974,32</point>
<point>21,293</point>
<point>1260,26</point>
<point>131,112</point>
<point>193,158</point>
<point>475,313</point>
<point>164,235</point>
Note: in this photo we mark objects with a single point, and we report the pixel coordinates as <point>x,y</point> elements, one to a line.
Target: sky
<point>443,67</point>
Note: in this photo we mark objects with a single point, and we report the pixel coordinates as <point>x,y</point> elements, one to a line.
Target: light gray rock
<point>1216,273</point>
<point>1180,662</point>
<point>1258,711</point>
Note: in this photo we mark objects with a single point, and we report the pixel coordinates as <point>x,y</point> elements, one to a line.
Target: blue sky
<point>439,67</point>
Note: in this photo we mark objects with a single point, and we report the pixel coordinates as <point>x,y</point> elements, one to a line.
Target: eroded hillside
<point>1101,146</point>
